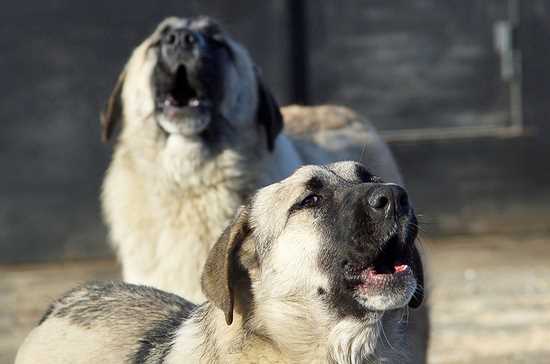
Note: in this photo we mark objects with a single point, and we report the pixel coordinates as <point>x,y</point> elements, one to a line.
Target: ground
<point>490,298</point>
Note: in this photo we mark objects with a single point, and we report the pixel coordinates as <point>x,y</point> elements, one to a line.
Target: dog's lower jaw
<point>185,126</point>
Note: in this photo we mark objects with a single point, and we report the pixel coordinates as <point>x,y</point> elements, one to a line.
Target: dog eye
<point>310,201</point>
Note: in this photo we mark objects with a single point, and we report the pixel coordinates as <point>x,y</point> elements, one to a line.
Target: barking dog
<point>316,268</point>
<point>200,132</point>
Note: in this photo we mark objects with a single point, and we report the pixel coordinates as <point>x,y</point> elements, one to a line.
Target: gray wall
<point>59,61</point>
<point>407,65</point>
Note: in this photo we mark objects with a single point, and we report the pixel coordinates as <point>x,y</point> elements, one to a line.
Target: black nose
<point>183,38</point>
<point>387,199</point>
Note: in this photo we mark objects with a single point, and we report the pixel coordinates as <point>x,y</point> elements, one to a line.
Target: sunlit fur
<point>284,320</point>
<point>166,198</point>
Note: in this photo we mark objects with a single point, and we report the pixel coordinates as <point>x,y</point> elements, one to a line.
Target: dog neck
<point>162,205</point>
<point>207,338</point>
<point>192,166</point>
<point>382,341</point>
<point>186,172</point>
<point>309,336</point>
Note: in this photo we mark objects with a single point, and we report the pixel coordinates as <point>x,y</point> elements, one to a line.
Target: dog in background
<point>316,268</point>
<point>199,132</point>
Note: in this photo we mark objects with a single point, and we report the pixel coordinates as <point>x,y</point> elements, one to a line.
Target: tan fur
<point>77,342</point>
<point>304,121</point>
<point>278,315</point>
<point>166,200</point>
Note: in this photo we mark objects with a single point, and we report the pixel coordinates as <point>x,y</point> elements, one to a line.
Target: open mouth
<point>177,95</point>
<point>181,102</point>
<point>390,265</point>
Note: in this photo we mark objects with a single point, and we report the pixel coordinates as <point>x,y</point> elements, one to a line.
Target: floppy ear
<point>418,271</point>
<point>268,113</point>
<point>220,271</point>
<point>113,110</point>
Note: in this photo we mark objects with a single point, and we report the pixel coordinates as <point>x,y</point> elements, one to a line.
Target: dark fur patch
<point>314,184</point>
<point>340,226</point>
<point>157,342</point>
<point>47,314</point>
<point>96,301</point>
<point>351,234</point>
<point>365,176</point>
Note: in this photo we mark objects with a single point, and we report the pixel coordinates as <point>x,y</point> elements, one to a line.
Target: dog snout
<point>182,46</point>
<point>181,38</point>
<point>387,200</point>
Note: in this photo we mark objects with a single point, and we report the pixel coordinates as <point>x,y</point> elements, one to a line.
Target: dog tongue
<point>379,271</point>
<point>400,268</point>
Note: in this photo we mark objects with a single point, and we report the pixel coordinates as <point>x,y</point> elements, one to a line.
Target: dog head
<point>329,241</point>
<point>190,83</point>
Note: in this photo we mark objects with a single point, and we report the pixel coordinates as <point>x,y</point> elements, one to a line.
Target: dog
<point>200,132</point>
<point>317,268</point>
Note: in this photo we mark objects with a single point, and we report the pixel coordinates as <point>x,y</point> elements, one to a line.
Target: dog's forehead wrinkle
<point>329,177</point>
<point>347,170</point>
<point>304,177</point>
<point>284,193</point>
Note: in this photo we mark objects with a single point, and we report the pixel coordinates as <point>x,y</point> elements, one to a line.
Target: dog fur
<point>167,196</point>
<point>276,284</point>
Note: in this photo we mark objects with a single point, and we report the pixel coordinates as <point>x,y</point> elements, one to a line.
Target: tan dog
<point>317,268</point>
<point>200,132</point>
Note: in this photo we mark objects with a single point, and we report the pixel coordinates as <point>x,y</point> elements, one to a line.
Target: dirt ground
<point>490,298</point>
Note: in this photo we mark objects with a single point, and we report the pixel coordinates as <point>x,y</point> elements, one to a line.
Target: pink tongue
<point>400,268</point>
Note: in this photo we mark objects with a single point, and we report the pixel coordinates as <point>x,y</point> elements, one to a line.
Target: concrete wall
<point>406,65</point>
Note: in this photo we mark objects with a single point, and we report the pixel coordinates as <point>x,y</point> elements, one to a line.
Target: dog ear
<point>113,110</point>
<point>268,113</point>
<point>418,271</point>
<point>221,268</point>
